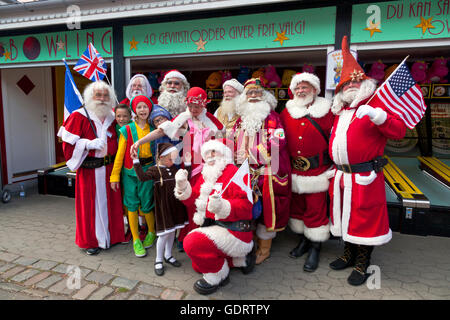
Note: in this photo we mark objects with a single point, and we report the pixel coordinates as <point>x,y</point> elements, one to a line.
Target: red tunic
<point>98,209</point>
<point>358,200</point>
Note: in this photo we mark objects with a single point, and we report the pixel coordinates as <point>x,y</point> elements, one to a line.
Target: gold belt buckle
<point>346,168</point>
<point>301,163</point>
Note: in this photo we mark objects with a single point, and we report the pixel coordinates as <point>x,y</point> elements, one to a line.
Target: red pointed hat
<point>351,70</point>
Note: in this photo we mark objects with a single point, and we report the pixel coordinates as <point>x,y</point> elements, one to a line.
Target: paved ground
<point>39,260</point>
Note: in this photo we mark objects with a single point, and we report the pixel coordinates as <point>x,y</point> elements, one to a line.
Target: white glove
<point>376,115</point>
<point>215,203</point>
<point>366,110</point>
<point>181,179</point>
<point>96,144</point>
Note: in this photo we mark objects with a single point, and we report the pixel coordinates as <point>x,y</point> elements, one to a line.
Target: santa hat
<point>141,98</point>
<point>351,70</point>
<point>197,95</point>
<point>147,86</point>
<point>235,84</point>
<point>224,146</point>
<point>175,74</point>
<point>312,79</point>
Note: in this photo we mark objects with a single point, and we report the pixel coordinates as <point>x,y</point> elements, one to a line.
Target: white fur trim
<point>224,211</point>
<point>336,228</point>
<point>67,136</point>
<point>183,194</point>
<point>171,128</point>
<point>374,241</point>
<point>318,234</point>
<point>310,184</point>
<point>234,84</point>
<point>297,225</point>
<point>365,180</point>
<point>339,146</point>
<point>239,262</point>
<point>78,155</point>
<point>380,116</point>
<point>226,241</point>
<point>308,77</point>
<point>318,109</point>
<point>262,233</point>
<point>215,278</point>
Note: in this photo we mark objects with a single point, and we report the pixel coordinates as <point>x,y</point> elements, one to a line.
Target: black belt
<point>241,225</point>
<point>144,161</point>
<point>376,164</point>
<point>304,164</point>
<point>93,162</point>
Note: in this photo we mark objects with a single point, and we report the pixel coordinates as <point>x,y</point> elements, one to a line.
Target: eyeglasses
<point>176,83</point>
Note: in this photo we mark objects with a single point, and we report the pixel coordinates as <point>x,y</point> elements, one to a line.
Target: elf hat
<point>351,70</point>
<point>312,79</point>
<point>141,98</point>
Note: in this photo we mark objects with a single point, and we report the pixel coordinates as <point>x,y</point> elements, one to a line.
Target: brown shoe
<point>263,251</point>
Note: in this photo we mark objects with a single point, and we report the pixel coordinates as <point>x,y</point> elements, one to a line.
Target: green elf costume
<point>137,195</point>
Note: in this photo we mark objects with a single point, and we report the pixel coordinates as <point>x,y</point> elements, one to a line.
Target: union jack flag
<point>401,95</point>
<point>91,64</point>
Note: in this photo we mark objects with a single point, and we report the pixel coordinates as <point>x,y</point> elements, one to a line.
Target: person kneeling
<point>224,238</point>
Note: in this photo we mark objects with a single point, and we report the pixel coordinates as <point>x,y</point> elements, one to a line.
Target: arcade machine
<point>418,172</point>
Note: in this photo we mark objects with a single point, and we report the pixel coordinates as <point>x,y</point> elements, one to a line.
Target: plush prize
<point>287,77</point>
<point>153,79</point>
<point>438,71</point>
<point>273,79</point>
<point>308,67</point>
<point>377,71</point>
<point>226,75</point>
<point>214,80</point>
<point>419,71</point>
<point>244,74</point>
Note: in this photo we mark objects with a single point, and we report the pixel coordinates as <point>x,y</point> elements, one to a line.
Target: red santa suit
<point>98,209</point>
<point>214,249</point>
<point>358,200</point>
<point>310,180</point>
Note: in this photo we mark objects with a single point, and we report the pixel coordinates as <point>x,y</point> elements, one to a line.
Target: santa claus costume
<point>98,209</point>
<point>358,200</point>
<point>170,98</point>
<point>307,122</point>
<point>259,136</point>
<point>146,90</point>
<point>223,237</point>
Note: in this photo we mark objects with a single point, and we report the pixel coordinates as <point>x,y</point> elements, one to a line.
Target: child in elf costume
<point>137,195</point>
<point>170,213</point>
<point>123,117</point>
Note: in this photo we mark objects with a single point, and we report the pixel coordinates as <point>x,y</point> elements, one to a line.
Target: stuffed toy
<point>438,71</point>
<point>287,77</point>
<point>214,80</point>
<point>244,74</point>
<point>226,75</point>
<point>153,79</point>
<point>419,71</point>
<point>162,73</point>
<point>308,67</point>
<point>337,72</point>
<point>260,74</point>
<point>377,71</point>
<point>273,79</point>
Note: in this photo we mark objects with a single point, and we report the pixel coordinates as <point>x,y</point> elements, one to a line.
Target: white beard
<point>349,95</point>
<point>172,102</point>
<point>253,116</point>
<point>211,173</point>
<point>100,109</point>
<point>229,106</point>
<point>138,92</point>
<point>303,101</point>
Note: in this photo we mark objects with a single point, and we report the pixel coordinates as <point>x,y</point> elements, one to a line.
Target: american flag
<point>403,96</point>
<point>91,64</point>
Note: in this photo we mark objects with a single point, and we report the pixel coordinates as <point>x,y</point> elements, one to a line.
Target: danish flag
<point>91,64</point>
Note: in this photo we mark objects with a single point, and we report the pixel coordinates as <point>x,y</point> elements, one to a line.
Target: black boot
<point>302,247</point>
<point>347,259</point>
<point>250,261</point>
<point>312,262</point>
<point>359,274</point>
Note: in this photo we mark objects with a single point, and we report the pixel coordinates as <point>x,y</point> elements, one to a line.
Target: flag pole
<point>107,79</point>
<point>87,114</point>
